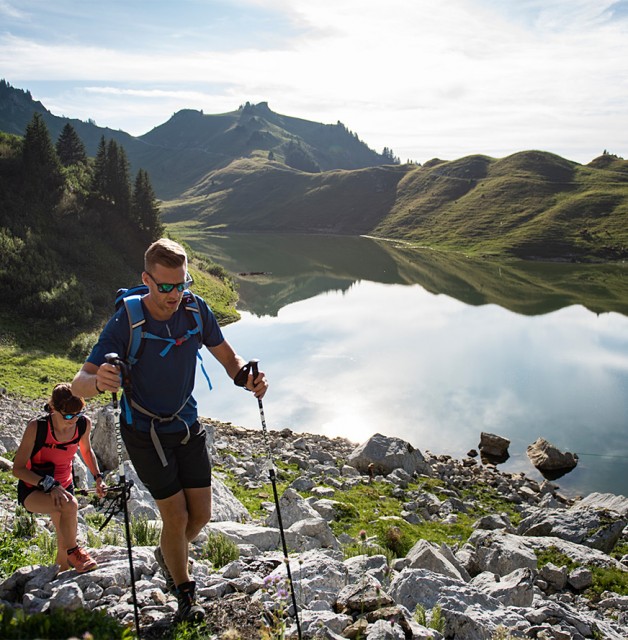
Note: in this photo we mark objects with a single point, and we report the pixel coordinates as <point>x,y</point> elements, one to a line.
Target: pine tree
<point>119,183</point>
<point>70,147</point>
<point>144,207</point>
<point>41,169</point>
<point>111,182</point>
<point>99,182</point>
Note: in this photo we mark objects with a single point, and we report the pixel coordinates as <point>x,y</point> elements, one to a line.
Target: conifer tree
<point>70,147</point>
<point>111,182</point>
<point>144,207</point>
<point>41,168</point>
<point>119,183</point>
<point>99,182</point>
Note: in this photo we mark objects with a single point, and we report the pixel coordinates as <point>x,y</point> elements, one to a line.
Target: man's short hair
<point>165,252</point>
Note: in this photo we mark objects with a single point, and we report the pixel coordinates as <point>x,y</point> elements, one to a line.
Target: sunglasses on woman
<point>71,416</point>
<point>166,287</point>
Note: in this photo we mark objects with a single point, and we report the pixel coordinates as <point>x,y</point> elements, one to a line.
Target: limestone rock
<point>387,454</point>
<point>548,458</point>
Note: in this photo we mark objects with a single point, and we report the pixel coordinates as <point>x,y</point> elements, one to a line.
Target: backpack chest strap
<point>171,342</point>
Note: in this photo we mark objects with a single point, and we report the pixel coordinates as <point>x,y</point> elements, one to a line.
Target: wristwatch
<point>48,483</point>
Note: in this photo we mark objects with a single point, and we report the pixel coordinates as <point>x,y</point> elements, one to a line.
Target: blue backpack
<point>132,300</point>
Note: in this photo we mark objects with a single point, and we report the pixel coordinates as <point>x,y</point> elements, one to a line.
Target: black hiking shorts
<point>189,466</point>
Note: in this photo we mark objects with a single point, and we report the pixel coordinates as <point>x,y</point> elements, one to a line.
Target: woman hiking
<point>43,466</point>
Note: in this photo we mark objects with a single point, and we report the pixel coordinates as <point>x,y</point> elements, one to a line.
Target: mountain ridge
<point>190,144</point>
<point>255,170</point>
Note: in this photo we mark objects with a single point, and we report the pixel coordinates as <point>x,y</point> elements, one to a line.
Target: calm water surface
<point>357,339</point>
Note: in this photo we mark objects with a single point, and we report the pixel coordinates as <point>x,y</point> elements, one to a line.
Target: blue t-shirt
<point>160,384</point>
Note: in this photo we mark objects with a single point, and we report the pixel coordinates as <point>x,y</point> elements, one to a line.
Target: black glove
<point>242,376</point>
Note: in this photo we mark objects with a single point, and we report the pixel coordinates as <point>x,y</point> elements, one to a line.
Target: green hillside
<point>258,195</point>
<point>532,205</point>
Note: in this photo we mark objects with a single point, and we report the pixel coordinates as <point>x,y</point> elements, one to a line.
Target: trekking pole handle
<point>253,364</point>
<point>114,359</point>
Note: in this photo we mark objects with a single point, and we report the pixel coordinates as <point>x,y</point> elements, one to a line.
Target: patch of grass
<point>252,499</point>
<point>369,502</point>
<point>16,552</point>
<point>60,623</point>
<point>8,482</point>
<point>24,525</point>
<point>607,579</point>
<point>219,550</point>
<point>554,556</point>
<point>33,374</point>
<point>435,620</point>
<point>488,500</point>
<point>144,533</point>
<point>620,550</point>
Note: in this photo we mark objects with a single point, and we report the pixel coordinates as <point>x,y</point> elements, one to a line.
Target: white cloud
<point>427,78</point>
<point>10,11</point>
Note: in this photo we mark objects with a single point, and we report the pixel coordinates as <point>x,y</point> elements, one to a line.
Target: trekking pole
<point>114,359</point>
<point>253,366</point>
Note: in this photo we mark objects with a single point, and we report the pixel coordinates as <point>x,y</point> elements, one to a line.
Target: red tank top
<point>60,454</point>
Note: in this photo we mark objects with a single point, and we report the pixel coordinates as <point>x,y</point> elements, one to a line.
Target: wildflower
<point>362,535</point>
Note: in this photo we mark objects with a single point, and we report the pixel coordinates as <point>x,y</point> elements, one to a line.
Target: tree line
<point>72,228</point>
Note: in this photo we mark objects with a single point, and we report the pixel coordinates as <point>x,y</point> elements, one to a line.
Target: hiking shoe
<point>159,556</point>
<point>189,610</point>
<point>81,561</point>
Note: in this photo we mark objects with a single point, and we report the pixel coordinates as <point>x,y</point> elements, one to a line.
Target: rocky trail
<point>484,585</point>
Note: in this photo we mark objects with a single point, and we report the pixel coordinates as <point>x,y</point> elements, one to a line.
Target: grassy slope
<point>531,204</point>
<point>256,195</point>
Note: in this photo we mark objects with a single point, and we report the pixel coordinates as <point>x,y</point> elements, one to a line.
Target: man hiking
<point>159,425</point>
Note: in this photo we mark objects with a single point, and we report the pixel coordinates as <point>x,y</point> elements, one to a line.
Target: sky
<point>425,78</point>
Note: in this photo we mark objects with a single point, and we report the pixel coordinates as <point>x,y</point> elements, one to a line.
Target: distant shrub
<point>144,533</point>
<point>219,550</point>
<point>435,620</point>
<point>81,346</point>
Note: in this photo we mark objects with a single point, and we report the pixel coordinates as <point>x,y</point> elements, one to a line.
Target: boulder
<point>604,501</point>
<point>494,446</point>
<point>104,439</point>
<point>513,590</point>
<point>359,597</point>
<point>292,508</point>
<point>425,555</point>
<point>549,460</point>
<point>387,454</point>
<point>595,528</point>
<point>225,506</point>
<point>317,529</point>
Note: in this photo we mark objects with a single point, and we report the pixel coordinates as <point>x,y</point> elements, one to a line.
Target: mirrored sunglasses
<point>166,287</point>
<point>71,416</point>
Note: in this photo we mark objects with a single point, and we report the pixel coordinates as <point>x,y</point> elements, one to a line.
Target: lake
<point>360,336</point>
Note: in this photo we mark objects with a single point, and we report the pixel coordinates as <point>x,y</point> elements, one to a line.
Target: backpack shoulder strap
<point>135,314</point>
<point>41,434</point>
<point>81,423</point>
<point>191,306</point>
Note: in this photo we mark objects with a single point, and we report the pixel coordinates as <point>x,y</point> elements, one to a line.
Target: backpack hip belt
<point>154,436</point>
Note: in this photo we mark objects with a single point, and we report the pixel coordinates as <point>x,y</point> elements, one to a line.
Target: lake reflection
<point>371,357</point>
